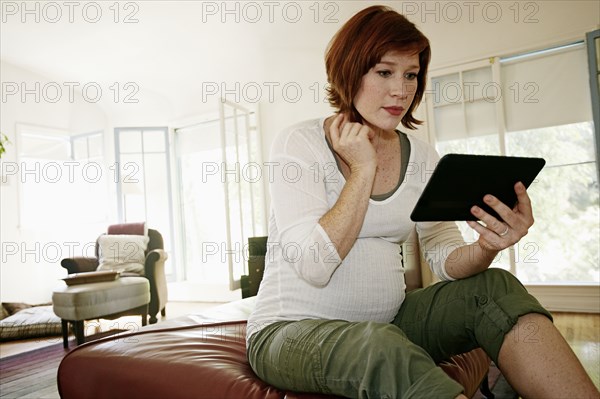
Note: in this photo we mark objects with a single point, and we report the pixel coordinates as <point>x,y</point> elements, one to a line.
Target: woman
<point>332,315</point>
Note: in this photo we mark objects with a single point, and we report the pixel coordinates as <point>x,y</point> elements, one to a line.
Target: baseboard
<point>567,298</point>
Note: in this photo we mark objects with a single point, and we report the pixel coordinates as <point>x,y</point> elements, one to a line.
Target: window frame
<point>581,297</point>
<point>226,123</point>
<point>592,40</point>
<point>24,130</point>
<point>119,179</point>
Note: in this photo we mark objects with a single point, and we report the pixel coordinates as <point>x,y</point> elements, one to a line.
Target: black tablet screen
<point>460,181</point>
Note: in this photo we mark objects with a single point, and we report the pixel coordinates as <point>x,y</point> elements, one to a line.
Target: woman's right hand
<point>352,141</point>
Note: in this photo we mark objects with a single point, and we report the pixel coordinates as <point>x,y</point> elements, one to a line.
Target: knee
<point>381,339</point>
<point>387,344</point>
<point>500,307</point>
<point>499,282</point>
<point>497,273</point>
<point>382,333</point>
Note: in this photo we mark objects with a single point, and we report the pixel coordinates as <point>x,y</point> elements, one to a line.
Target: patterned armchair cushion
<point>124,253</point>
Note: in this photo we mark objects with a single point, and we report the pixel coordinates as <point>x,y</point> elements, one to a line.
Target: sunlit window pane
<point>144,181</point>
<point>563,245</point>
<point>558,145</point>
<point>60,184</point>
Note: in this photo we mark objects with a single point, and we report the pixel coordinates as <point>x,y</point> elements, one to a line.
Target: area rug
<point>33,374</point>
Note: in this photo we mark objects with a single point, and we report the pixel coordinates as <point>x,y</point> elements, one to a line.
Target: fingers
<point>516,222</point>
<point>354,130</point>
<point>488,235</point>
<point>495,231</point>
<point>490,221</point>
<point>334,129</point>
<point>523,202</point>
<point>348,134</point>
<point>341,129</point>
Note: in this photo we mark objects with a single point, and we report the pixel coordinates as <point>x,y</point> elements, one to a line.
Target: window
<point>222,195</point>
<point>87,150</point>
<point>63,179</point>
<point>535,104</point>
<point>143,180</point>
<point>465,111</point>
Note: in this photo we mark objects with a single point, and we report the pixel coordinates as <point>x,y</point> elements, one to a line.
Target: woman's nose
<point>402,88</point>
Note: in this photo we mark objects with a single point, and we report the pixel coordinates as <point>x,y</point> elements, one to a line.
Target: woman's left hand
<point>497,235</point>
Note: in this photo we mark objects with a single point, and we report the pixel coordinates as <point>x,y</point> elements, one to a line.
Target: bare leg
<point>538,362</point>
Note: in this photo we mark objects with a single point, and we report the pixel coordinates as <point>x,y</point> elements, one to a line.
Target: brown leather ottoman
<point>186,359</point>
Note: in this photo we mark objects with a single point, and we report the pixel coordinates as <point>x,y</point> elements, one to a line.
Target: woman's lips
<point>395,111</point>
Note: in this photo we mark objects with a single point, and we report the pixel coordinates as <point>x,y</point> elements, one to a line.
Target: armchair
<point>154,266</point>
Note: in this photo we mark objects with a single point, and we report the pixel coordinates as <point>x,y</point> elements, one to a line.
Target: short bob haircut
<point>360,44</point>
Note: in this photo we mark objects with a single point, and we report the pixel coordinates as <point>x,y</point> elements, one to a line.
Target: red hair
<point>360,44</point>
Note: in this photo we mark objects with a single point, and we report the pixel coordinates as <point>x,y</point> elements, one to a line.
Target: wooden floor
<point>582,332</point>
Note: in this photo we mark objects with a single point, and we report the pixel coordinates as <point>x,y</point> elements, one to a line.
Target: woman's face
<point>388,89</point>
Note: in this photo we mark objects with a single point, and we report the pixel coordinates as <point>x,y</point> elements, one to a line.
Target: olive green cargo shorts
<point>396,360</point>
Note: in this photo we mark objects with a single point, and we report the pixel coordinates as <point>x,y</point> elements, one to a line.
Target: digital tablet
<point>460,181</point>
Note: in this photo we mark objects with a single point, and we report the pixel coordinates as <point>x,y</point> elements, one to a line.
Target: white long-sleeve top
<point>304,276</point>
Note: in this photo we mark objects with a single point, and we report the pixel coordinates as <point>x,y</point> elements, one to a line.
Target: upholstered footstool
<point>192,358</point>
<point>103,300</point>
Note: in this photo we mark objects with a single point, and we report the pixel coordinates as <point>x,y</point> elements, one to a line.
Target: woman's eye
<point>411,76</point>
<point>384,73</point>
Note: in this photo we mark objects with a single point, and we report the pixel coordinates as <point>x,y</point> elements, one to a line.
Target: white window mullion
<point>226,189</point>
<point>463,105</point>
<point>501,124</point>
<point>249,158</point>
<point>236,129</point>
<point>500,121</point>
<point>144,176</point>
<point>431,127</point>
